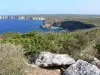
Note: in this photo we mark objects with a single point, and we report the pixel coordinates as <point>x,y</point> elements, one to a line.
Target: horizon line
<point>50,14</point>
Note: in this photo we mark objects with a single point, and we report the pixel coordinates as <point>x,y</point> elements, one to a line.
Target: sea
<point>23,26</point>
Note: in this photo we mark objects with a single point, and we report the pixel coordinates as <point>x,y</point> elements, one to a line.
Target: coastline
<point>22,17</point>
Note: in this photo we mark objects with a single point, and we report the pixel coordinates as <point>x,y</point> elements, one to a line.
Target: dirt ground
<point>41,71</point>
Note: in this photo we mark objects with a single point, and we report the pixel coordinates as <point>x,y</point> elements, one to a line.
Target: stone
<point>82,68</point>
<point>95,62</point>
<point>33,58</point>
<point>47,59</point>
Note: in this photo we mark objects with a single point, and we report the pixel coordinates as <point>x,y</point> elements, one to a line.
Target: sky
<point>16,7</point>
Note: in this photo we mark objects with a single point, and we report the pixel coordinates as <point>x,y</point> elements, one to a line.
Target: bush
<point>64,42</point>
<point>12,61</point>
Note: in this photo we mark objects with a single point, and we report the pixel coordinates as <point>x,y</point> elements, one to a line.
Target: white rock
<point>82,68</point>
<point>95,62</point>
<point>46,59</point>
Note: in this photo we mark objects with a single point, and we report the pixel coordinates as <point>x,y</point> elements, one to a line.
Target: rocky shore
<point>51,24</point>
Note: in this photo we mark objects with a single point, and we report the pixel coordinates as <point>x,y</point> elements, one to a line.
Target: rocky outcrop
<point>47,59</point>
<point>48,26</point>
<point>82,68</point>
<point>92,60</point>
<point>66,64</point>
<point>95,62</point>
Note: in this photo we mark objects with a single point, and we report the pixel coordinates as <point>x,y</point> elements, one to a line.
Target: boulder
<point>32,58</point>
<point>82,68</point>
<point>95,62</point>
<point>92,60</point>
<point>47,59</point>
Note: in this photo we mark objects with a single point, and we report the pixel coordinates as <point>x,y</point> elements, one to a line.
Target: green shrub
<point>63,42</point>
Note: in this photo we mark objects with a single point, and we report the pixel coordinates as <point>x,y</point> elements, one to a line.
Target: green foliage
<point>64,42</point>
<point>98,49</point>
<point>9,34</point>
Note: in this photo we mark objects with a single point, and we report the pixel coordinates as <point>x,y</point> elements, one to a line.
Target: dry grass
<point>90,50</point>
<point>11,60</point>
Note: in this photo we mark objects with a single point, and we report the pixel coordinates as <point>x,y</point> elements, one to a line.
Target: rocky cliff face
<point>68,25</point>
<point>51,23</point>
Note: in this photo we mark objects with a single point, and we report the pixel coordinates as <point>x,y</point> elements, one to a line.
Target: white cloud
<point>39,9</point>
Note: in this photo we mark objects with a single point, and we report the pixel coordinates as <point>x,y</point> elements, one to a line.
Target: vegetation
<point>78,44</point>
<point>72,43</point>
<point>12,61</point>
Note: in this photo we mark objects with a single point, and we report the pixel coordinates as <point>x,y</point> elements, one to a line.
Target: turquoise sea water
<point>22,26</point>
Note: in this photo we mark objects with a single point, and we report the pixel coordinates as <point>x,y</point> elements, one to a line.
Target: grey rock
<point>82,68</point>
<point>47,59</point>
<point>95,62</point>
<point>33,58</point>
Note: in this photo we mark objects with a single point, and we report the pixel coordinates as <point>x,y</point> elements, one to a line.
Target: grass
<point>12,61</point>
